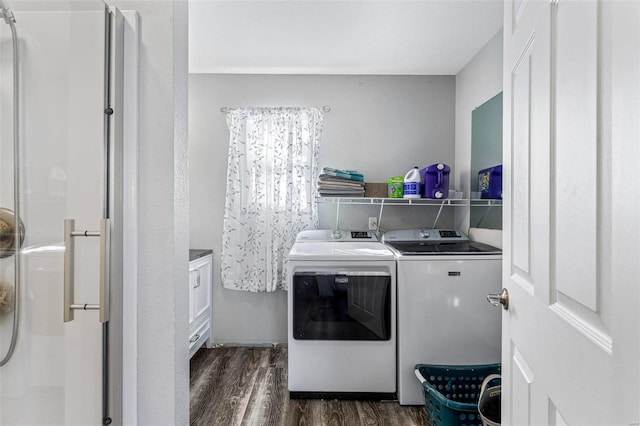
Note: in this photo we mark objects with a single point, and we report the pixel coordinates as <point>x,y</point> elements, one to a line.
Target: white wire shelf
<point>382,202</point>
<point>485,202</point>
<point>394,201</point>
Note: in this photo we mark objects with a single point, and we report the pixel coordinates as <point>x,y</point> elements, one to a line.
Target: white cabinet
<point>200,302</point>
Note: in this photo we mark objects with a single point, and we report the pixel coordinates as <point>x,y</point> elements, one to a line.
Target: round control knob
<point>336,235</point>
<point>424,233</point>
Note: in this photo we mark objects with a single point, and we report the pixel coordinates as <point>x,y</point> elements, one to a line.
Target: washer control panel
<point>426,234</point>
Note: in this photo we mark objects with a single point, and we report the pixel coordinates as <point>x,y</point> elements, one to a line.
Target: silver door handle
<point>499,299</point>
<point>69,263</point>
<point>197,279</point>
<point>194,338</point>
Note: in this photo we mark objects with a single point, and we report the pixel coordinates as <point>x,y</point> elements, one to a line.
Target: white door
<point>570,347</point>
<point>55,375</point>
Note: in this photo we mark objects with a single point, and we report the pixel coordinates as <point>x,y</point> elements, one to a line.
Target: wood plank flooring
<point>248,386</point>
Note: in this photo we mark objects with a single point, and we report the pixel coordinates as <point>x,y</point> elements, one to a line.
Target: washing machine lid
<point>417,248</point>
<point>328,251</point>
<point>338,235</point>
<point>435,242</point>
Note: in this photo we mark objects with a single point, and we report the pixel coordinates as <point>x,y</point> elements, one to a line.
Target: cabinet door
<point>202,287</point>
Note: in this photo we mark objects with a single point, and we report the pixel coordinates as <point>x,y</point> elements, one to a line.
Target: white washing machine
<point>342,316</point>
<point>443,314</point>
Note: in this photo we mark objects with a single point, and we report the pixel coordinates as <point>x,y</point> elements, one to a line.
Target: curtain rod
<point>325,108</point>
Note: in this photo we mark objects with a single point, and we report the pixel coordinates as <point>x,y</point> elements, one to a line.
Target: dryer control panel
<point>319,235</point>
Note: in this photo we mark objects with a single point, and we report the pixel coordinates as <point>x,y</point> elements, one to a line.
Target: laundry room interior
<point>380,120</point>
<point>380,125</point>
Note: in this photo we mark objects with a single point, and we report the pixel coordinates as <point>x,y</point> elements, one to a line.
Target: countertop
<point>198,253</point>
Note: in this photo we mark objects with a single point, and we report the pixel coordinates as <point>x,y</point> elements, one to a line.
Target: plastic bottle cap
<point>440,166</point>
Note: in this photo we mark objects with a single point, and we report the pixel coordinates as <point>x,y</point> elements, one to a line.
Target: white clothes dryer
<point>443,314</point>
<point>341,316</point>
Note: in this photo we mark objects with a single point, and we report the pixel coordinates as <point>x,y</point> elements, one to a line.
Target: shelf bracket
<point>380,214</point>
<point>438,215</point>
<point>486,212</point>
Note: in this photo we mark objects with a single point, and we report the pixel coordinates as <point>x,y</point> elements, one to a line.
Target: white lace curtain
<point>271,185</point>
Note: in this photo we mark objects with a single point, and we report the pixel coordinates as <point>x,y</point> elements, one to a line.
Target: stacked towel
<point>340,183</point>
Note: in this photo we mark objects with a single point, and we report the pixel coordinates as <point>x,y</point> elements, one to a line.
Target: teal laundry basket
<point>451,392</point>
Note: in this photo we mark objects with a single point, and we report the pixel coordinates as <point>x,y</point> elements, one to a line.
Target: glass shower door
<point>55,375</point>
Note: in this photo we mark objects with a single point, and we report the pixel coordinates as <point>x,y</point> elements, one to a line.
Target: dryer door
<point>341,306</point>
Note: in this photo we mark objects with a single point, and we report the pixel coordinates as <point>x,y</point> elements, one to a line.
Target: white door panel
<point>571,336</point>
<point>527,67</point>
<point>521,380</point>
<point>577,144</point>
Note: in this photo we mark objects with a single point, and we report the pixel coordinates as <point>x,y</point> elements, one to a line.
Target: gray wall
<point>486,151</point>
<point>379,125</point>
<point>476,83</point>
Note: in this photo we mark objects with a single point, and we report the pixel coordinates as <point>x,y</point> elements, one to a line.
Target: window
<point>271,174</point>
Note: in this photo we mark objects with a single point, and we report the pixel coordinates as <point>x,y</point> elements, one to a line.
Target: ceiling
<point>397,37</point>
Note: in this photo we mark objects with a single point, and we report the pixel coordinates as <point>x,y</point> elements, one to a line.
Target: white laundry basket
<point>489,404</point>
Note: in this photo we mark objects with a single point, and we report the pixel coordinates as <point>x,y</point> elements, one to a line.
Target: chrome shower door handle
<point>69,249</point>
<point>499,299</point>
<point>69,264</point>
<point>105,250</point>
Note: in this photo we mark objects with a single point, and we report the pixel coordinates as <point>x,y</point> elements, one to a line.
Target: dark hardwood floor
<point>248,386</point>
